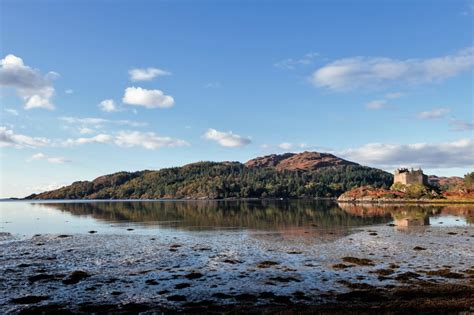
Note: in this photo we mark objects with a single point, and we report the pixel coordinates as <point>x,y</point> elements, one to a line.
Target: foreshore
<point>407,201</point>
<point>378,269</point>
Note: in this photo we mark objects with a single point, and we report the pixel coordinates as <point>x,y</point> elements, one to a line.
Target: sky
<point>89,88</point>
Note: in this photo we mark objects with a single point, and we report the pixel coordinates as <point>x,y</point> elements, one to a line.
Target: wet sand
<point>377,269</point>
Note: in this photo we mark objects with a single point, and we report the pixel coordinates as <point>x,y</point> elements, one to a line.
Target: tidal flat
<point>313,267</point>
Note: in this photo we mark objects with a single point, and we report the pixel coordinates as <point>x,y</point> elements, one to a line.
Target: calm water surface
<point>297,217</point>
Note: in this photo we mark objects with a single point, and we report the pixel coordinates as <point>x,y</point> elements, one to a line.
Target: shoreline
<point>335,200</point>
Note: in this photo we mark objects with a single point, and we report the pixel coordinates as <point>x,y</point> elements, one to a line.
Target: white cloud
<point>99,122</point>
<point>147,140</point>
<point>108,106</point>
<point>45,187</point>
<point>100,138</point>
<point>366,72</point>
<point>293,147</point>
<point>35,89</point>
<point>69,91</point>
<point>226,139</point>
<point>378,104</point>
<point>50,159</point>
<point>11,111</point>
<point>285,146</point>
<point>291,64</point>
<point>461,125</point>
<point>146,74</point>
<point>128,139</point>
<point>384,103</point>
<point>58,160</point>
<point>129,123</point>
<point>84,121</point>
<point>9,138</point>
<point>458,153</point>
<point>86,131</point>
<point>37,156</point>
<point>434,113</point>
<point>147,98</point>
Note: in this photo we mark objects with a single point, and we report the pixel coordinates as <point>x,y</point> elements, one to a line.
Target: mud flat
<point>378,269</point>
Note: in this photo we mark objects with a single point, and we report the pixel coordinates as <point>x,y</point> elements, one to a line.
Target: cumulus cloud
<point>146,74</point>
<point>458,153</point>
<point>35,89</point>
<point>226,139</point>
<point>108,106</point>
<point>147,140</point>
<point>366,72</point>
<point>378,104</point>
<point>50,159</point>
<point>291,63</point>
<point>10,139</point>
<point>434,113</point>
<point>148,98</point>
<point>461,125</point>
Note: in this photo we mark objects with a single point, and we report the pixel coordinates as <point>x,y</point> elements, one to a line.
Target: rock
<point>151,282</point>
<point>76,276</point>
<point>419,248</point>
<point>358,261</point>
<point>29,299</point>
<point>266,264</point>
<point>44,277</point>
<point>194,275</point>
<point>183,285</point>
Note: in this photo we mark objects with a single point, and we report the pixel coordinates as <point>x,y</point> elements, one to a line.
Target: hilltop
<point>306,161</point>
<point>290,175</point>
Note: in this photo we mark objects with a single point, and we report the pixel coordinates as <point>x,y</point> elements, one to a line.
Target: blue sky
<point>94,87</point>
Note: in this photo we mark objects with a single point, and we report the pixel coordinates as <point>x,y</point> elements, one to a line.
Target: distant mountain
<point>290,175</point>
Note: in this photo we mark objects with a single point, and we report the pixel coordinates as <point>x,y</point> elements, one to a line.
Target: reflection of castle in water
<point>406,219</point>
<point>409,215</point>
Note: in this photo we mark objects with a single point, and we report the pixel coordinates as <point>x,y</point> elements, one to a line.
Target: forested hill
<point>304,175</point>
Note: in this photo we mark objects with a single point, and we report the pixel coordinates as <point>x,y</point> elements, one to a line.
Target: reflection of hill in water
<point>264,215</point>
<point>406,215</point>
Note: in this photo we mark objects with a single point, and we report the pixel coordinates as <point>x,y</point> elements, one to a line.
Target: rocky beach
<point>378,269</point>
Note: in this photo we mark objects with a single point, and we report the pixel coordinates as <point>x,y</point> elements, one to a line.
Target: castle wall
<point>409,178</point>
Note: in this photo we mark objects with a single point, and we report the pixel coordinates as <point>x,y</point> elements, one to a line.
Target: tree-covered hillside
<point>211,180</point>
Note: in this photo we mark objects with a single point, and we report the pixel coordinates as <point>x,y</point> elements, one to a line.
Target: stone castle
<point>410,177</point>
